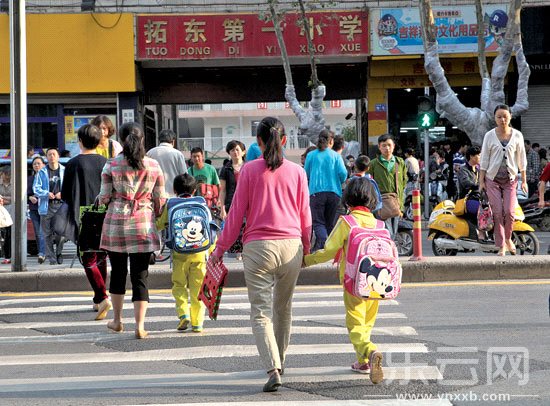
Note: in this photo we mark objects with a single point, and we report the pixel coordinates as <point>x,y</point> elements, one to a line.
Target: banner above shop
<point>398,31</point>
<point>231,36</point>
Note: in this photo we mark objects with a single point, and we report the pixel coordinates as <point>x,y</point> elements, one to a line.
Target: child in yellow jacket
<point>188,269</point>
<point>360,197</point>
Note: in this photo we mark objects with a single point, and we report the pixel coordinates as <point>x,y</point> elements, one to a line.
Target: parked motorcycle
<point>534,215</point>
<point>451,234</point>
<point>404,238</point>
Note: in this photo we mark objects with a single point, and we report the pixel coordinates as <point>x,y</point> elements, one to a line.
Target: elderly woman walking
<point>272,194</point>
<point>132,185</point>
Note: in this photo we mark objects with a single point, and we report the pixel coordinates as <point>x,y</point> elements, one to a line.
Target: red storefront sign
<point>231,36</point>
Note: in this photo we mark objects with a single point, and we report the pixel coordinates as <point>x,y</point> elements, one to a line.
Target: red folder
<point>212,287</point>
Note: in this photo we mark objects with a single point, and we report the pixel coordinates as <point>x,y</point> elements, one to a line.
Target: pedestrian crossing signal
<point>426,112</point>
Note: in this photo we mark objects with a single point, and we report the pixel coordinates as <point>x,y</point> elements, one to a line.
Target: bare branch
<point>482,58</point>
<point>280,40</point>
<point>305,26</point>
<point>502,61</point>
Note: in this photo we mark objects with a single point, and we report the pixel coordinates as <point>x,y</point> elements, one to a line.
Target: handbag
<point>5,218</point>
<point>91,225</point>
<point>485,220</point>
<point>391,207</point>
<point>212,286</point>
<point>63,224</point>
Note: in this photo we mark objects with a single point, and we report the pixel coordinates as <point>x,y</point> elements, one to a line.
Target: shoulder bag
<point>91,225</point>
<point>63,224</point>
<point>390,201</point>
<point>5,218</point>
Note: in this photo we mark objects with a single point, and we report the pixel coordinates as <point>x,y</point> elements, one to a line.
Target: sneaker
<point>41,259</point>
<point>376,373</point>
<point>183,324</point>
<point>197,329</point>
<point>95,307</point>
<point>60,259</point>
<point>53,262</point>
<point>362,368</point>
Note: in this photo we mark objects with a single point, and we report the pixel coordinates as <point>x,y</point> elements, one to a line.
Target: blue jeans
<point>35,218</point>
<point>324,206</point>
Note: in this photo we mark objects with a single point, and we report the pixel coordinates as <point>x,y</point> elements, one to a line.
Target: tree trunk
<point>311,49</point>
<point>279,34</point>
<point>473,121</point>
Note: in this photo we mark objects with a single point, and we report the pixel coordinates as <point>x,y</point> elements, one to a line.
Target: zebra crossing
<point>41,334</point>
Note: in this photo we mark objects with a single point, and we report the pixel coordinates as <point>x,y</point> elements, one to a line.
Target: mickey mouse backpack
<point>372,269</point>
<point>190,226</point>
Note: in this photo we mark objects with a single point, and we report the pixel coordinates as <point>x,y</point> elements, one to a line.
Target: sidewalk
<point>431,269</point>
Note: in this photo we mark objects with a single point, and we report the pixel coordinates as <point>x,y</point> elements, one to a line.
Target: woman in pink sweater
<point>272,194</point>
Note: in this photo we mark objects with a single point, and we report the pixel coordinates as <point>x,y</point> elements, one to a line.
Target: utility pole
<point>426,134</point>
<point>18,132</point>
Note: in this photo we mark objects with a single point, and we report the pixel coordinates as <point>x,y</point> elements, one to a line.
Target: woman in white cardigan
<point>502,157</point>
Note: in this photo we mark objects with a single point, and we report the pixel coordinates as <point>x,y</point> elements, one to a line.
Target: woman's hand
<point>215,259</point>
<point>524,187</point>
<point>223,213</point>
<point>33,199</point>
<point>481,185</point>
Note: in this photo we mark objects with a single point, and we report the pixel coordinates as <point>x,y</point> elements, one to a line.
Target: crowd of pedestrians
<point>271,208</point>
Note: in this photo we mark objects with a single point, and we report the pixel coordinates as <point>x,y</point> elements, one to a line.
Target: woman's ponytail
<point>271,130</point>
<point>132,137</point>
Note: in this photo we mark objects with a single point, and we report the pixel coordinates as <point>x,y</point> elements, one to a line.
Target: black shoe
<point>60,259</point>
<point>274,381</point>
<point>53,262</point>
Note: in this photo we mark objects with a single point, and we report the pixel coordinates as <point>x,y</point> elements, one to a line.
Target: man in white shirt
<point>171,161</point>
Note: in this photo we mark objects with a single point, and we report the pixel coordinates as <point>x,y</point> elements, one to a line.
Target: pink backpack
<point>372,270</point>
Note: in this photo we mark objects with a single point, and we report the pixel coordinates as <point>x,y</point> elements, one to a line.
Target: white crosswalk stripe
<point>309,330</point>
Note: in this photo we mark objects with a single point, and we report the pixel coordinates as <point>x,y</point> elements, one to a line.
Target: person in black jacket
<point>81,186</point>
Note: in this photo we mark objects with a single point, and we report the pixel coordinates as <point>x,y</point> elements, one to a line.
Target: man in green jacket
<point>383,170</point>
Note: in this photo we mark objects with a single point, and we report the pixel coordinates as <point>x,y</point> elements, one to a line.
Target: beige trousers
<point>271,269</point>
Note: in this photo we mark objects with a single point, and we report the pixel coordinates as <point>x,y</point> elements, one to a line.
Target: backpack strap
<point>111,148</point>
<point>353,223</point>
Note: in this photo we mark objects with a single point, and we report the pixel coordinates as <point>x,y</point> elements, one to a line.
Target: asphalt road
<point>456,343</point>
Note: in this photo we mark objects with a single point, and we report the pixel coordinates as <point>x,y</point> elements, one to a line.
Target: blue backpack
<point>190,226</point>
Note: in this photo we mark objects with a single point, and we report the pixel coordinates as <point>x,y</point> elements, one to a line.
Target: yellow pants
<point>360,318</point>
<point>187,277</point>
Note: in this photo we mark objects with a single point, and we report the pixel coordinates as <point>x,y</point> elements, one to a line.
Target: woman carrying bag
<point>80,188</point>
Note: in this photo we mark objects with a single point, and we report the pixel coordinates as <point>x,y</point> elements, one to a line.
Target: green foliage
<point>349,133</point>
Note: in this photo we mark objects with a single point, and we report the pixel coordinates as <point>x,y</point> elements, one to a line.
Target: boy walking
<point>188,268</point>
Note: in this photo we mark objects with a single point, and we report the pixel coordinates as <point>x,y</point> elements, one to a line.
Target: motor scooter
<point>451,234</point>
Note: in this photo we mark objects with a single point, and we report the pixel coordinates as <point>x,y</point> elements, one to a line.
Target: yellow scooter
<point>451,234</point>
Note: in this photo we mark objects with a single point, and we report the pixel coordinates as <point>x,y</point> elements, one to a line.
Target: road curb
<point>432,269</point>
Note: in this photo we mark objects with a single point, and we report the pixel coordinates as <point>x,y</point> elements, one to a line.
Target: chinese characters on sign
<point>398,31</point>
<point>223,36</point>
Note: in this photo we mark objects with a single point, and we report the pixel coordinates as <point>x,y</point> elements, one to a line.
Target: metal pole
<point>18,132</point>
<point>426,133</point>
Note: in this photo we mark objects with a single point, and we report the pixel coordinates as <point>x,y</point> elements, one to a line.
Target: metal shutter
<point>534,123</point>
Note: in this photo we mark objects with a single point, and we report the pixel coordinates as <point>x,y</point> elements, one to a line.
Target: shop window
<point>39,135</point>
<point>42,110</point>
